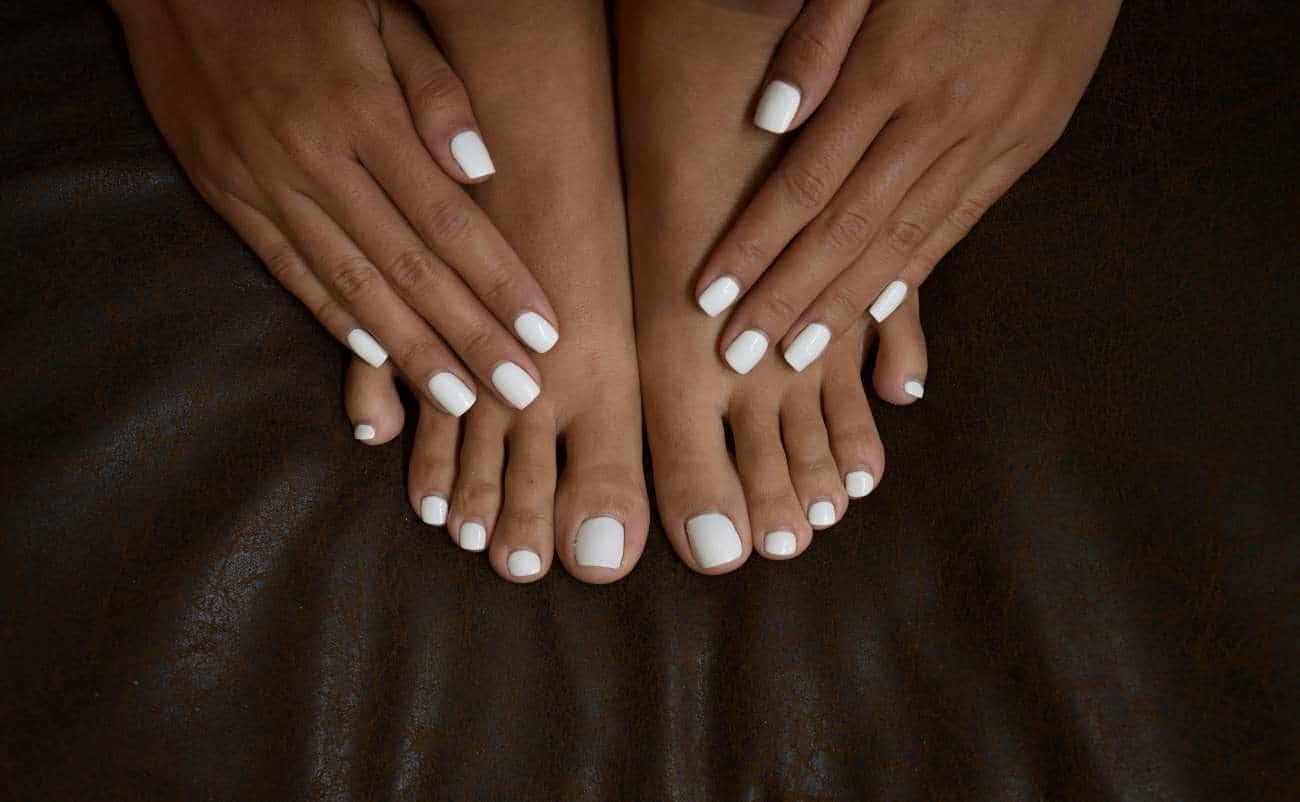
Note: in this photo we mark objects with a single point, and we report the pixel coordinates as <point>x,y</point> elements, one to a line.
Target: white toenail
<point>433,510</point>
<point>777,108</point>
<point>600,542</point>
<point>515,385</point>
<point>859,483</point>
<point>536,331</point>
<point>914,388</point>
<point>713,539</point>
<point>779,543</point>
<point>745,351</point>
<point>473,537</point>
<point>364,432</point>
<point>523,563</point>
<point>722,293</point>
<point>471,154</point>
<point>821,513</point>
<point>807,346</point>
<point>888,300</point>
<point>451,393</point>
<point>365,346</point>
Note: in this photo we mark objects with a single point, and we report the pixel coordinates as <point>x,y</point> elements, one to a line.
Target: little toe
<point>901,364</point>
<point>371,400</point>
<point>523,540</point>
<point>812,468</point>
<point>855,442</point>
<point>432,472</point>
<point>476,500</point>
<point>781,529</point>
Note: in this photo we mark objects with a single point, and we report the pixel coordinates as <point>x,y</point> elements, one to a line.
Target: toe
<point>372,403</point>
<point>901,365</point>
<point>433,464</point>
<point>812,469</point>
<point>855,442</point>
<point>477,498</point>
<point>780,528</point>
<point>523,540</point>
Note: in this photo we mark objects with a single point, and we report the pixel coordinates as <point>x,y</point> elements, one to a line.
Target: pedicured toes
<point>859,484</point>
<point>914,388</point>
<point>433,510</point>
<point>523,563</point>
<point>780,544</point>
<point>472,536</point>
<point>821,514</point>
<point>714,540</point>
<point>600,543</point>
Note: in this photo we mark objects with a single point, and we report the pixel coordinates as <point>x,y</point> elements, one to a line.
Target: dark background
<point>1080,580</point>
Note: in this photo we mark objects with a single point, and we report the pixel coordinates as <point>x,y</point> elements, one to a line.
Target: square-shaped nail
<point>600,542</point>
<point>888,300</point>
<point>433,510</point>
<point>859,483</point>
<point>714,540</point>
<point>745,351</point>
<point>780,543</point>
<point>366,347</point>
<point>807,346</point>
<point>720,294</point>
<point>472,536</point>
<point>471,154</point>
<point>777,108</point>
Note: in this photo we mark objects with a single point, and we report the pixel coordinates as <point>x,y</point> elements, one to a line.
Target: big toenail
<point>364,432</point>
<point>777,108</point>
<point>722,293</point>
<point>536,332</point>
<point>523,563</point>
<point>515,385</point>
<point>859,484</point>
<point>713,539</point>
<point>821,513</point>
<point>433,510</point>
<point>473,537</point>
<point>600,542</point>
<point>914,388</point>
<point>366,347</point>
<point>779,543</point>
<point>807,346</point>
<point>451,393</point>
<point>888,300</point>
<point>745,351</point>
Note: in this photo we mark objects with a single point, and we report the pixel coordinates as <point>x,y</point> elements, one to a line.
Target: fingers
<point>807,62</point>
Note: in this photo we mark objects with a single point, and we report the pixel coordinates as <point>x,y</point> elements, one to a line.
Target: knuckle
<point>848,230</point>
<point>842,304</point>
<point>476,341</point>
<point>417,356</point>
<point>903,236</point>
<point>354,278</point>
<point>775,308</point>
<point>448,219</point>
<point>496,285</point>
<point>437,89</point>
<point>410,271</point>
<point>284,265</point>
<point>808,44</point>
<point>750,253</point>
<point>808,184</point>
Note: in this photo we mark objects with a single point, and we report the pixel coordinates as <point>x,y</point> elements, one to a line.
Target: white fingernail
<point>722,293</point>
<point>779,543</point>
<point>433,510</point>
<point>471,154</point>
<point>536,332</point>
<point>713,538</point>
<point>821,513</point>
<point>807,346</point>
<point>777,108</point>
<point>600,542</point>
<point>523,563</point>
<point>745,351</point>
<point>914,388</point>
<point>859,483</point>
<point>888,300</point>
<point>451,393</point>
<point>515,385</point>
<point>366,347</point>
<point>473,537</point>
<point>364,432</point>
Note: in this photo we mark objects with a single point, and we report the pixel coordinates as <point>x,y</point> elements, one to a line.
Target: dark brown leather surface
<point>1079,580</point>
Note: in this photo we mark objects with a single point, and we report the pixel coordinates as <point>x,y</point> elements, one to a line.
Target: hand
<point>927,111</point>
<point>294,120</point>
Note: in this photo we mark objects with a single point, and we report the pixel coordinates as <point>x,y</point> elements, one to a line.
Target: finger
<point>371,400</point>
<point>901,362</point>
<point>807,62</point>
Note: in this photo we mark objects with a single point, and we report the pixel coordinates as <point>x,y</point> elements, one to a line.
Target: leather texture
<point>1077,581</point>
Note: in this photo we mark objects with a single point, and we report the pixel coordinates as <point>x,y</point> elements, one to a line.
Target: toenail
<point>471,154</point>
<point>433,510</point>
<point>888,300</point>
<point>745,351</point>
<point>473,537</point>
<point>914,388</point>
<point>859,484</point>
<point>366,347</point>
<point>779,543</point>
<point>713,539</point>
<point>722,293</point>
<point>523,563</point>
<point>536,332</point>
<point>807,346</point>
<point>364,432</point>
<point>515,385</point>
<point>821,513</point>
<point>451,393</point>
<point>776,109</point>
<point>600,543</point>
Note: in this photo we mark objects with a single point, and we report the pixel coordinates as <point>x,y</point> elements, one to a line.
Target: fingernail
<point>722,293</point>
<point>777,108</point>
<point>821,513</point>
<point>471,154</point>
<point>433,510</point>
<point>859,483</point>
<point>523,563</point>
<point>536,332</point>
<point>600,542</point>
<point>472,537</point>
<point>779,543</point>
<point>914,388</point>
<point>745,351</point>
<point>451,393</point>
<point>713,539</point>
<point>366,347</point>
<point>515,385</point>
<point>807,346</point>
<point>364,432</point>
<point>888,300</point>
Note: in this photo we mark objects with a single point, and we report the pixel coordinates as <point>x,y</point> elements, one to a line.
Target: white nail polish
<point>471,154</point>
<point>433,510</point>
<point>722,293</point>
<point>713,538</point>
<point>451,393</point>
<point>859,484</point>
<point>364,432</point>
<point>779,543</point>
<point>523,563</point>
<point>473,537</point>
<point>600,542</point>
<point>807,346</point>
<point>888,300</point>
<point>914,388</point>
<point>536,332</point>
<point>515,385</point>
<point>821,513</point>
<point>366,347</point>
<point>745,351</point>
<point>777,108</point>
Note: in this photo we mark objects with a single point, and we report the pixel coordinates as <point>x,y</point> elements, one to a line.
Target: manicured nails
<point>600,543</point>
<point>515,385</point>
<point>523,563</point>
<point>888,300</point>
<point>536,332</point>
<point>779,543</point>
<point>859,484</point>
<point>366,347</point>
<point>722,293</point>
<point>713,538</point>
<point>472,536</point>
<point>821,513</point>
<point>471,154</point>
<point>745,351</point>
<point>364,432</point>
<point>451,393</point>
<point>433,510</point>
<point>914,388</point>
<point>776,109</point>
<point>807,346</point>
